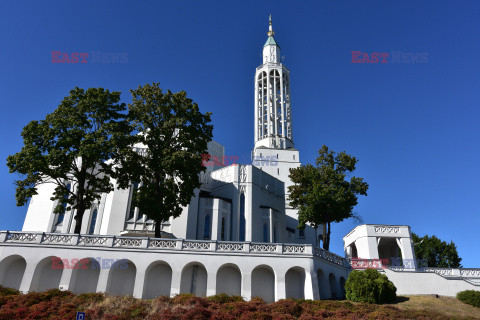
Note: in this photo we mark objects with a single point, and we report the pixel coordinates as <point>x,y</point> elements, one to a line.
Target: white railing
<point>170,244</point>
<point>445,272</point>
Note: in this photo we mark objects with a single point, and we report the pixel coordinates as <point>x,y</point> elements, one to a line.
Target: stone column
<point>270,225</point>
<point>176,281</point>
<point>139,283</point>
<point>103,279</point>
<point>215,216</point>
<point>311,286</point>
<point>211,284</point>
<point>247,285</point>
<point>65,280</point>
<point>367,247</point>
<point>28,276</point>
<point>280,287</point>
<point>408,254</point>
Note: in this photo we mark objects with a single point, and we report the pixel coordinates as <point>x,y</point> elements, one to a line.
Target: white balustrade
<point>178,245</point>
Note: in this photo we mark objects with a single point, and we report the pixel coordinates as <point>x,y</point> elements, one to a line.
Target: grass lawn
<point>450,307</point>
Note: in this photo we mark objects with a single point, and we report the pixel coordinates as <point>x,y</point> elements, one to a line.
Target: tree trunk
<point>329,230</point>
<point>78,220</point>
<point>158,227</point>
<point>326,236</point>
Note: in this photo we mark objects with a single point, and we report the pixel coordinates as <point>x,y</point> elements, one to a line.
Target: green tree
<point>73,146</point>
<point>167,159</point>
<point>434,252</point>
<point>322,194</point>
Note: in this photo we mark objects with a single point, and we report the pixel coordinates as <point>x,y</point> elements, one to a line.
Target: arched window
<point>93,221</point>
<point>206,228</point>
<point>265,233</point>
<point>61,215</point>
<point>222,237</point>
<point>242,218</point>
<point>275,234</point>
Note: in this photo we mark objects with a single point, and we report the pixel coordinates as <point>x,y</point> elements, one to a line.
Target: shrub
<point>471,297</point>
<point>4,291</point>
<point>370,286</point>
<point>224,298</point>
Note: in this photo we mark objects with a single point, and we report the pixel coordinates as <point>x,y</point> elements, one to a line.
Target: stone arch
<point>85,275</point>
<point>323,286</point>
<point>121,278</point>
<point>47,274</point>
<point>389,251</point>
<point>354,251</point>
<point>263,283</point>
<point>194,279</point>
<point>295,283</point>
<point>229,280</point>
<point>333,286</point>
<point>158,280</point>
<point>342,288</point>
<point>12,269</point>
<point>261,75</point>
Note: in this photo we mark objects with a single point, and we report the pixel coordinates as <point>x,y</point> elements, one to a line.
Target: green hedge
<point>370,286</point>
<point>470,297</point>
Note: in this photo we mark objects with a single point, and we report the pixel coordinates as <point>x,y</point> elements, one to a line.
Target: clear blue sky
<point>414,126</point>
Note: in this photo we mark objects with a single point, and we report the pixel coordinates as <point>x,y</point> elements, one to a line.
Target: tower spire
<point>270,32</point>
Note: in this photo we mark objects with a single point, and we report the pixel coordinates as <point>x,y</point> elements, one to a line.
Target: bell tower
<point>274,151</point>
<point>273,122</point>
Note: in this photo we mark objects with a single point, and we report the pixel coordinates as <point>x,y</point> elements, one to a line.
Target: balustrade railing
<point>169,244</point>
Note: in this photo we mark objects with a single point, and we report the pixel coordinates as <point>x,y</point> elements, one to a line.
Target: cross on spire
<point>270,32</point>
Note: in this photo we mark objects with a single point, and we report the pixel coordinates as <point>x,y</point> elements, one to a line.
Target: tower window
<point>293,157</point>
<point>206,228</point>
<point>222,237</point>
<point>241,236</point>
<point>93,222</point>
<point>265,233</point>
<point>278,171</point>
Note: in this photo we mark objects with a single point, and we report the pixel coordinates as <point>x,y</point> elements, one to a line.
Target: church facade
<point>237,236</point>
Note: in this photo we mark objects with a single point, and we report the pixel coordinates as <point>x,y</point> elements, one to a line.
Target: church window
<point>93,221</point>
<point>278,170</point>
<point>206,228</point>
<point>222,237</point>
<point>265,233</point>
<point>61,215</point>
<point>275,234</point>
<point>301,233</point>
<point>293,157</point>
<point>242,218</point>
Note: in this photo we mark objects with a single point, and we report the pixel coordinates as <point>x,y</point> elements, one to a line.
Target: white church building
<point>237,236</point>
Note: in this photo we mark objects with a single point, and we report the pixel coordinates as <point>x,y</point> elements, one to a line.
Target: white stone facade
<point>146,267</point>
<point>381,246</point>
<point>237,236</point>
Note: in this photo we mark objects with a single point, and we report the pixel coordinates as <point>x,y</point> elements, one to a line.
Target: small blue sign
<point>80,316</point>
